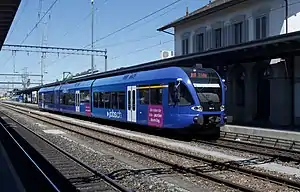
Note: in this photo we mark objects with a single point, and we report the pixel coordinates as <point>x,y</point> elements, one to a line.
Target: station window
<point>199,42</point>
<point>261,25</point>
<point>238,33</point>
<point>185,46</point>
<point>218,38</point>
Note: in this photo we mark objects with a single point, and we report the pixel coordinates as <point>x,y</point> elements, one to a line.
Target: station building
<point>264,92</point>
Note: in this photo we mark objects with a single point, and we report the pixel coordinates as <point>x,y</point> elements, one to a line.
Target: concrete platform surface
<point>9,180</point>
<point>263,132</point>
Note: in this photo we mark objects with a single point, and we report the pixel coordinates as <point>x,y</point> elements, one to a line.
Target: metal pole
<point>105,57</point>
<point>92,56</point>
<point>286,15</point>
<point>14,66</point>
<point>42,68</point>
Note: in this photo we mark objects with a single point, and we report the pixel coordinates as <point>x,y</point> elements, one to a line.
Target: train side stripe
<point>153,87</point>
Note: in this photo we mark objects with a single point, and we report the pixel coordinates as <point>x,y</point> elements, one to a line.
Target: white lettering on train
<point>114,114</point>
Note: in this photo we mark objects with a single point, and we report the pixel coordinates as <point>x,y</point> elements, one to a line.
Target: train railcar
<point>180,98</point>
<point>186,99</point>
<point>46,99</point>
<point>75,98</point>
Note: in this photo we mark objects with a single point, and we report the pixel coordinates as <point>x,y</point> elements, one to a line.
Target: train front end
<point>208,92</point>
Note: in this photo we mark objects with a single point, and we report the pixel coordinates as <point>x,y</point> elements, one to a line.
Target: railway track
<point>58,169</point>
<point>277,154</point>
<point>268,142</point>
<point>281,149</point>
<point>209,164</point>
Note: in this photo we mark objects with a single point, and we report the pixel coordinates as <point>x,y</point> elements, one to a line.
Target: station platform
<point>263,132</point>
<point>249,130</point>
<point>9,180</point>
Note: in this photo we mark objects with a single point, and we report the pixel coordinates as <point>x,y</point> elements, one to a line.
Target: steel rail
<point>265,176</point>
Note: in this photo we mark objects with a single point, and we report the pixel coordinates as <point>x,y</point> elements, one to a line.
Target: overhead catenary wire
<point>129,25</point>
<point>136,21</point>
<point>36,25</point>
<point>3,65</point>
<point>80,23</point>
<point>130,41</point>
<point>147,22</point>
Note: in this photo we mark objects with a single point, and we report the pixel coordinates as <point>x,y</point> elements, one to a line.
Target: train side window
<point>133,100</point>
<point>156,96</point>
<point>129,99</point>
<point>65,99</point>
<point>85,96</point>
<point>114,100</point>
<point>185,96</point>
<point>51,98</point>
<point>121,97</point>
<point>171,93</point>
<point>96,99</point>
<point>71,98</point>
<point>144,96</point>
<point>100,100</point>
<point>61,97</point>
<point>106,99</point>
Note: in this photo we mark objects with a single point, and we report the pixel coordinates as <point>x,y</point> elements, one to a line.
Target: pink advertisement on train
<point>155,115</point>
<point>87,109</point>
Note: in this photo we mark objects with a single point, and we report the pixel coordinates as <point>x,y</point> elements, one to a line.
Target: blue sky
<point>69,26</point>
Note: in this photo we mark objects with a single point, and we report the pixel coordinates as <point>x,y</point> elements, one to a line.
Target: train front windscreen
<point>208,87</point>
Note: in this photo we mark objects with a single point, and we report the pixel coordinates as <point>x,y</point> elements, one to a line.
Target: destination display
<point>198,75</point>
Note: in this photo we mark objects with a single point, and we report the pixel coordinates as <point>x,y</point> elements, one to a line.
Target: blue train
<point>186,99</point>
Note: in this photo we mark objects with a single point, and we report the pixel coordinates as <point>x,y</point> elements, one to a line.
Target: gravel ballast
<point>190,163</point>
<point>142,176</point>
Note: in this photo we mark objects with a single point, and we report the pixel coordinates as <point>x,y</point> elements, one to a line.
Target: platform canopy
<point>268,48</point>
<point>8,9</point>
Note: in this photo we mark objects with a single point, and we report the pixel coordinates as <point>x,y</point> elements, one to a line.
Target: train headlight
<point>222,108</point>
<point>200,108</point>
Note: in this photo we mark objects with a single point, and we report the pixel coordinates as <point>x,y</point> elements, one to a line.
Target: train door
<point>131,103</point>
<point>77,101</point>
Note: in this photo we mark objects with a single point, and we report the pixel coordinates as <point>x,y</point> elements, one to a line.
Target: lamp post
<point>92,56</point>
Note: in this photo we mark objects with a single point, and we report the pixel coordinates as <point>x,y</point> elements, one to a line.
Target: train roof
<point>156,74</point>
<point>47,89</point>
<point>78,85</point>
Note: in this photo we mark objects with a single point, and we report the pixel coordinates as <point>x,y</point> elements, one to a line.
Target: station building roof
<point>8,9</point>
<point>268,48</point>
<point>210,8</point>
